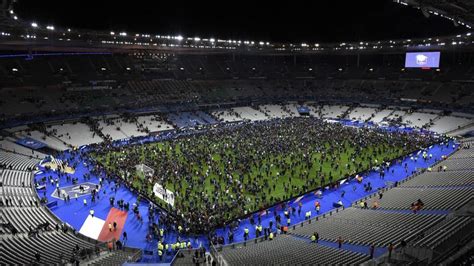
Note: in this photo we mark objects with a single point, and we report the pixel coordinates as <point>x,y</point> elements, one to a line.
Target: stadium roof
<point>461,12</point>
<point>17,34</point>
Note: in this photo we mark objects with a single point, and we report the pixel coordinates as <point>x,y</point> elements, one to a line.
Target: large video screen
<point>422,59</point>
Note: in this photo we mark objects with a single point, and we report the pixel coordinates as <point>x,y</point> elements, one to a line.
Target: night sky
<point>285,21</point>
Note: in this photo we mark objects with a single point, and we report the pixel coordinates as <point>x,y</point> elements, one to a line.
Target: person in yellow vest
<point>189,245</point>
<point>173,247</point>
<point>183,244</point>
<point>162,232</point>
<point>361,204</point>
<point>288,221</point>
<point>246,233</point>
<point>167,247</point>
<point>180,228</point>
<point>313,238</point>
<point>271,236</point>
<point>160,254</point>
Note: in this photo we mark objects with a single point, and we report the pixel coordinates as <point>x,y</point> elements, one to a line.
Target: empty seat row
<point>401,198</point>
<point>435,238</point>
<point>448,178</point>
<point>15,178</point>
<point>288,250</point>
<point>367,227</point>
<point>16,161</point>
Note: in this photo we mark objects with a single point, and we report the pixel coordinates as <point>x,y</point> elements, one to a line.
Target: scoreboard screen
<point>422,60</point>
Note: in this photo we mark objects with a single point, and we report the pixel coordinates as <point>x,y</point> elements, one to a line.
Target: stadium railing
<point>215,252</point>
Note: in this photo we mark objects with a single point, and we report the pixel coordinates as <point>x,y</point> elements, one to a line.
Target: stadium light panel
<point>15,69</point>
<point>11,12</point>
<point>50,27</point>
<point>15,17</point>
<point>34,25</point>
<point>179,38</point>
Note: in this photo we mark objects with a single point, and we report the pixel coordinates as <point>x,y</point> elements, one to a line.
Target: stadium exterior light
<point>15,69</point>
<point>11,11</point>
<point>128,69</point>
<point>261,43</point>
<point>197,39</point>
<point>340,69</point>
<point>179,38</point>
<point>68,30</point>
<point>50,27</point>
<point>112,33</point>
<point>34,25</point>
<point>123,34</point>
<point>15,17</point>
<point>212,40</point>
<point>103,69</point>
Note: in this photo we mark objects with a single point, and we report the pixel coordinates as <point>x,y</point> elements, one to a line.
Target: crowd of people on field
<point>225,172</point>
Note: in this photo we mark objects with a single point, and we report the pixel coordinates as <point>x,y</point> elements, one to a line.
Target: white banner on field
<point>163,194</point>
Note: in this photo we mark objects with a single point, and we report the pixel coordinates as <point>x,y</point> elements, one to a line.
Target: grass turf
<point>269,173</point>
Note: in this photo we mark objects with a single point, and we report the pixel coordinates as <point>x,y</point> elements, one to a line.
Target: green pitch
<point>233,172</point>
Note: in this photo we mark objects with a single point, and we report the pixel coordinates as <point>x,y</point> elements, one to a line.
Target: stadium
<point>120,147</point>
